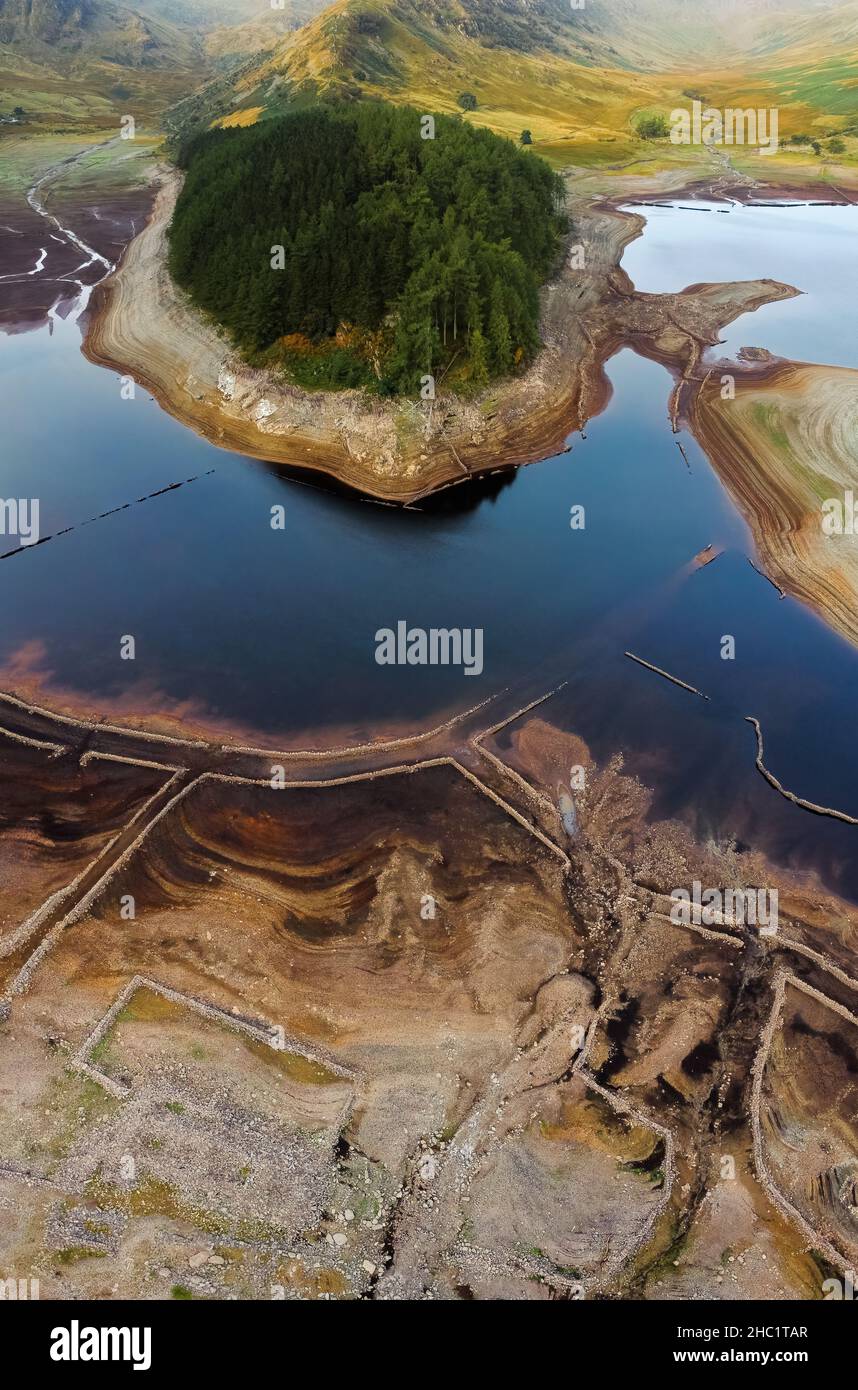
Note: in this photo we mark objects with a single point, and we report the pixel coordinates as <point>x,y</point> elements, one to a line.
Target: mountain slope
<point>528,62</point>
<point>79,62</point>
<point>232,29</point>
<point>573,77</point>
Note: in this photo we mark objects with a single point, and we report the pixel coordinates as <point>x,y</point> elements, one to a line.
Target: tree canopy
<point>402,256</point>
<point>653,127</point>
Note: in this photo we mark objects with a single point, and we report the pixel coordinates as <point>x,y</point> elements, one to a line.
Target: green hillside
<point>78,64</point>
<point>577,79</point>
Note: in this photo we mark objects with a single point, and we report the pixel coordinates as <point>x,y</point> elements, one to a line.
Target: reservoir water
<point>270,634</point>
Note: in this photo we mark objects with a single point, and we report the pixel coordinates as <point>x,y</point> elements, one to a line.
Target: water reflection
<point>271,632</point>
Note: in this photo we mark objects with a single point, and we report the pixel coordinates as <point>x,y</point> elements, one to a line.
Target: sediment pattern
<point>784,447</point>
<point>391,1031</point>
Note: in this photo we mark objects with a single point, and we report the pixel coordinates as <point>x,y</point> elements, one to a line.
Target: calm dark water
<point>271,633</point>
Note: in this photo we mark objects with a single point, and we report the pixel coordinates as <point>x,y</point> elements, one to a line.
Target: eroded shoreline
<point>592,313</point>
<point>398,452</point>
<point>783,447</point>
<point>142,324</point>
<point>451,1096</point>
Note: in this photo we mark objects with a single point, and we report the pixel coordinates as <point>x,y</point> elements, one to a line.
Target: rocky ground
<point>419,1032</point>
<point>417,1023</point>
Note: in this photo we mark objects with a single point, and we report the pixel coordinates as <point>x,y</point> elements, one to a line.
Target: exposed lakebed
<point>271,633</point>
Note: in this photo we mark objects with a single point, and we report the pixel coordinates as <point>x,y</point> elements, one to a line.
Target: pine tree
<point>433,250</point>
<point>499,336</point>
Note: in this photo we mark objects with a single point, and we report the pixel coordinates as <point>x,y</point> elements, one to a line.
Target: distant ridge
<point>540,64</point>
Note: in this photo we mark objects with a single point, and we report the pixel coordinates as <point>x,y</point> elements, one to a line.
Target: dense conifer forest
<point>401,256</point>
